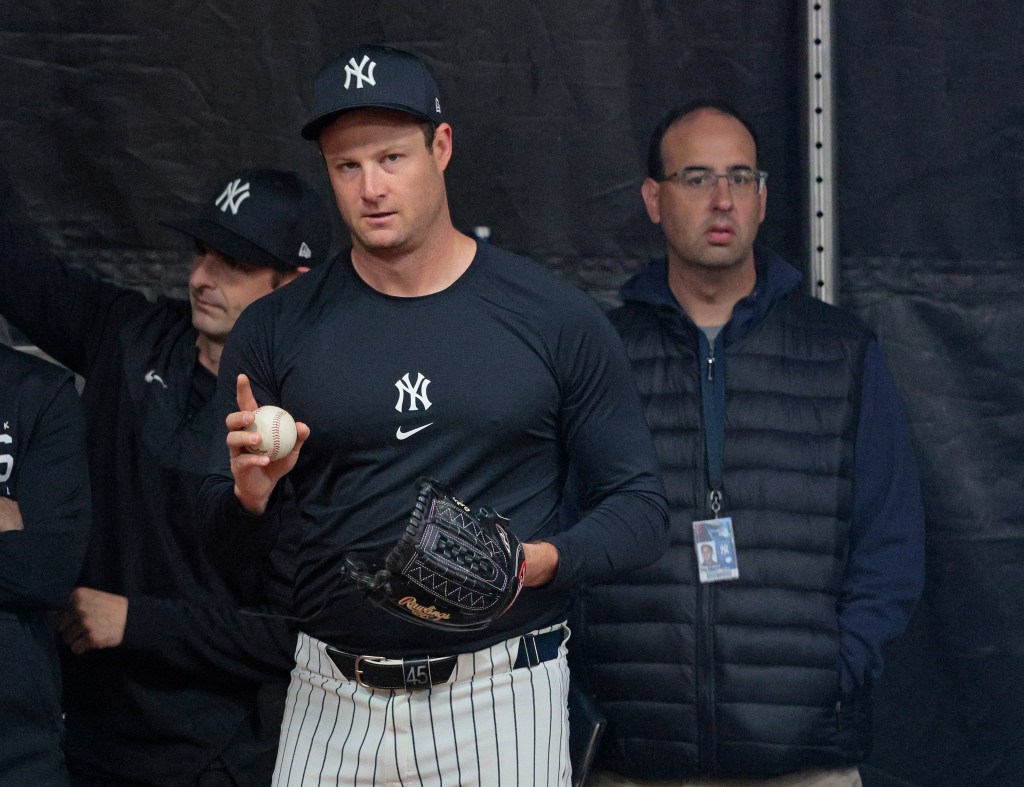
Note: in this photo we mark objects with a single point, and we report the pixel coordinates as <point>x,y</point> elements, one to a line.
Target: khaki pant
<point>846,777</point>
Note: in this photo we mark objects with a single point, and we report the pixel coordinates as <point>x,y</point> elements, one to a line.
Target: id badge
<point>716,549</point>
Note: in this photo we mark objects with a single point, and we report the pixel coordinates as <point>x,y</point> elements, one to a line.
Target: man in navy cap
<point>424,353</point>
<point>167,680</point>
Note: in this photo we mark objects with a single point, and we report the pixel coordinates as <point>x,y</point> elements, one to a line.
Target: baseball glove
<point>451,569</point>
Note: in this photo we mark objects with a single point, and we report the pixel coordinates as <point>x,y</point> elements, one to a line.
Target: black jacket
<point>185,686</point>
<point>754,676</point>
<point>43,469</point>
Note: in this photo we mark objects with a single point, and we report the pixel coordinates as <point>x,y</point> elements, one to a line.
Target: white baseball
<point>277,431</point>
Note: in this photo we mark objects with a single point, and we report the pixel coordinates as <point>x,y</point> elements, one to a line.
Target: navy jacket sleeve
<point>65,312</point>
<point>252,644</point>
<point>43,468</point>
<point>885,566</point>
<point>247,645</point>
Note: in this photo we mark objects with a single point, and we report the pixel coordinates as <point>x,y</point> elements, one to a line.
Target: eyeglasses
<point>701,181</point>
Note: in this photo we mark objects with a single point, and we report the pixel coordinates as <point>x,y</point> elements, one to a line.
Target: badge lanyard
<point>713,402</point>
<point>713,539</point>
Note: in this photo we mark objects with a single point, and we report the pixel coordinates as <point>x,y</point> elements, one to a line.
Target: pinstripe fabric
<point>489,725</point>
<point>839,777</point>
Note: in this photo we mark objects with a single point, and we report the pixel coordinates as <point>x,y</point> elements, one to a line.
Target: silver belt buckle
<point>358,671</point>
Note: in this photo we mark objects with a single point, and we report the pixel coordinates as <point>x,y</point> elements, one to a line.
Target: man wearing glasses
<point>781,436</point>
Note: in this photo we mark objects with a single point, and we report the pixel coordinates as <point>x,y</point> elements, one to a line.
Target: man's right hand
<point>92,620</point>
<point>255,475</point>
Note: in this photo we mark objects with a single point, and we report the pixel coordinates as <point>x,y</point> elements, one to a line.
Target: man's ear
<point>651,192</point>
<point>441,147</point>
<point>291,275</point>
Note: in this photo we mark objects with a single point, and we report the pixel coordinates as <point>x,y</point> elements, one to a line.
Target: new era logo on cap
<point>373,76</point>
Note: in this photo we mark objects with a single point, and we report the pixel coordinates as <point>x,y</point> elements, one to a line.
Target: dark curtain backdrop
<point>931,191</point>
<point>118,114</point>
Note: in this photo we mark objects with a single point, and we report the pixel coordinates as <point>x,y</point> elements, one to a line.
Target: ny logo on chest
<point>411,397</point>
<point>417,392</point>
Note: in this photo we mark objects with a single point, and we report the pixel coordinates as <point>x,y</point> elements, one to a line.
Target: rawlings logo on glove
<point>451,569</point>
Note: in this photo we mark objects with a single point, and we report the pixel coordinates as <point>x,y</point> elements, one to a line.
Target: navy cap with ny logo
<point>373,76</point>
<point>263,217</point>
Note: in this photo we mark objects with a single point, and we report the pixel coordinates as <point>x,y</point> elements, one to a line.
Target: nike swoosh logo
<point>401,434</point>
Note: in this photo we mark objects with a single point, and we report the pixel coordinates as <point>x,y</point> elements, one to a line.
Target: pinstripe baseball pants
<point>489,725</point>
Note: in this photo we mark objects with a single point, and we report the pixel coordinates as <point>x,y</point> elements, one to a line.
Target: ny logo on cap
<point>354,69</point>
<point>234,194</point>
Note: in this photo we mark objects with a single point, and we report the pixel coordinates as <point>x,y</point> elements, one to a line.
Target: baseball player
<point>167,680</point>
<point>424,353</point>
<point>44,526</point>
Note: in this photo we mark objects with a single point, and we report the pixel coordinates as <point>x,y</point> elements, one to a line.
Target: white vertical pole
<point>824,282</point>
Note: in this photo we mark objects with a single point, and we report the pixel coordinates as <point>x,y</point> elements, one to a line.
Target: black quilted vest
<point>737,678</point>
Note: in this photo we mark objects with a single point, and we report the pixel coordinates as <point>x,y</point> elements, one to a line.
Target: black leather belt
<point>376,672</point>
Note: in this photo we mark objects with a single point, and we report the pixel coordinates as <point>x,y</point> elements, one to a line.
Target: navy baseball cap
<point>263,217</point>
<point>373,76</point>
